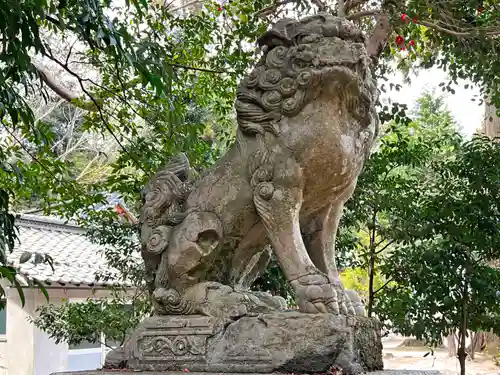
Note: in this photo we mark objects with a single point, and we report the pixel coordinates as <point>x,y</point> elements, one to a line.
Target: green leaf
<point>42,289</point>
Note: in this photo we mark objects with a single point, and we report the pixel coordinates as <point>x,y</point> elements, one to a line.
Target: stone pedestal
<point>127,372</point>
<point>289,341</point>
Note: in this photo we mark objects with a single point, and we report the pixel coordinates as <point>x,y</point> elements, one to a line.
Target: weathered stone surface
<point>306,123</point>
<point>282,341</point>
<point>127,372</point>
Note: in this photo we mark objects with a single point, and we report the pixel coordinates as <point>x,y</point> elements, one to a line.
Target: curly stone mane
<point>288,74</point>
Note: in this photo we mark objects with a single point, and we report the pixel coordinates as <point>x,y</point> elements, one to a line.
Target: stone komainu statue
<point>306,124</point>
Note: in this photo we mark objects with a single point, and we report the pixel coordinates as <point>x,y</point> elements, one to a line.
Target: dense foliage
<point>390,182</point>
<point>442,272</point>
<point>104,320</point>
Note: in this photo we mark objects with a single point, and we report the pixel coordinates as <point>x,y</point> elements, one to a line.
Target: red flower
<point>186,370</point>
<point>415,20</point>
<point>412,42</point>
<point>405,18</point>
<point>400,40</point>
<point>219,9</point>
<point>403,48</point>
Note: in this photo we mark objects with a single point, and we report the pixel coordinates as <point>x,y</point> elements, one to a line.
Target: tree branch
<point>465,34</point>
<point>351,4</point>
<point>471,33</point>
<point>365,13</point>
<point>189,3</point>
<point>382,287</point>
<point>30,154</point>
<point>385,247</point>
<point>271,8</point>
<point>320,4</point>
<point>58,23</point>
<point>61,91</point>
<point>98,105</point>
<point>378,40</point>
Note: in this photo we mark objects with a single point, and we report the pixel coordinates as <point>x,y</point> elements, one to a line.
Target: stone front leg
<point>319,234</point>
<point>278,203</point>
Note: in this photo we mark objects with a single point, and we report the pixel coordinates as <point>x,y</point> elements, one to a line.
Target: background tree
<point>443,280</point>
<point>391,180</point>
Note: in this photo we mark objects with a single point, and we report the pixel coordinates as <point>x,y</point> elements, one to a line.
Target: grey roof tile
<point>76,260</point>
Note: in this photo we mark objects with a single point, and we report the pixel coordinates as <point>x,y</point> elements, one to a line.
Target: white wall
<point>3,356</point>
<point>20,346</point>
<point>49,357</point>
<point>26,350</point>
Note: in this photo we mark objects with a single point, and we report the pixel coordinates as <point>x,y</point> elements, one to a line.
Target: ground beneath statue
<point>411,359</point>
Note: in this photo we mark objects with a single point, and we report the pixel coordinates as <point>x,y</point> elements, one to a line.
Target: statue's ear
<point>281,34</point>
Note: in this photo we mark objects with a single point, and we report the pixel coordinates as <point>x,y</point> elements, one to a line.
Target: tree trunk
<point>371,277</point>
<point>463,327</point>
<point>452,345</point>
<point>461,349</point>
<point>477,344</point>
<point>371,265</point>
<point>491,121</point>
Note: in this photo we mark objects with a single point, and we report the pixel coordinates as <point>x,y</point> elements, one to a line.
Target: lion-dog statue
<point>306,123</point>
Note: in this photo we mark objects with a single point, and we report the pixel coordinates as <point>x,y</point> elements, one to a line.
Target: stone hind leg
<point>278,203</point>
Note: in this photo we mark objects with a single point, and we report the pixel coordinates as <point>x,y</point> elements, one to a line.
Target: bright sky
<point>468,114</point>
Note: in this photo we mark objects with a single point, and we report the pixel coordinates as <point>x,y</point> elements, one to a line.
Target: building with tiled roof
<point>59,256</point>
<point>56,253</point>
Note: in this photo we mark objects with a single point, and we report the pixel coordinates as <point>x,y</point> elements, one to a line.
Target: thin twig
<point>382,287</point>
<point>99,110</point>
<point>200,69</point>
<point>465,34</point>
<point>193,2</point>
<point>350,4</point>
<point>70,50</point>
<point>385,247</point>
<point>365,13</point>
<point>33,157</point>
<point>271,8</point>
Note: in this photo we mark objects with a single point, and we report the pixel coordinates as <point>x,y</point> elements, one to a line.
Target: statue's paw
<point>347,303</point>
<point>316,294</point>
<point>171,302</point>
<point>354,303</point>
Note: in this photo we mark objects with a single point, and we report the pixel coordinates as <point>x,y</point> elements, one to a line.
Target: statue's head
<point>319,55</point>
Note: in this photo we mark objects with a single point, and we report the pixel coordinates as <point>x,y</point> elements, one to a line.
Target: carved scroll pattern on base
<point>169,347</point>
